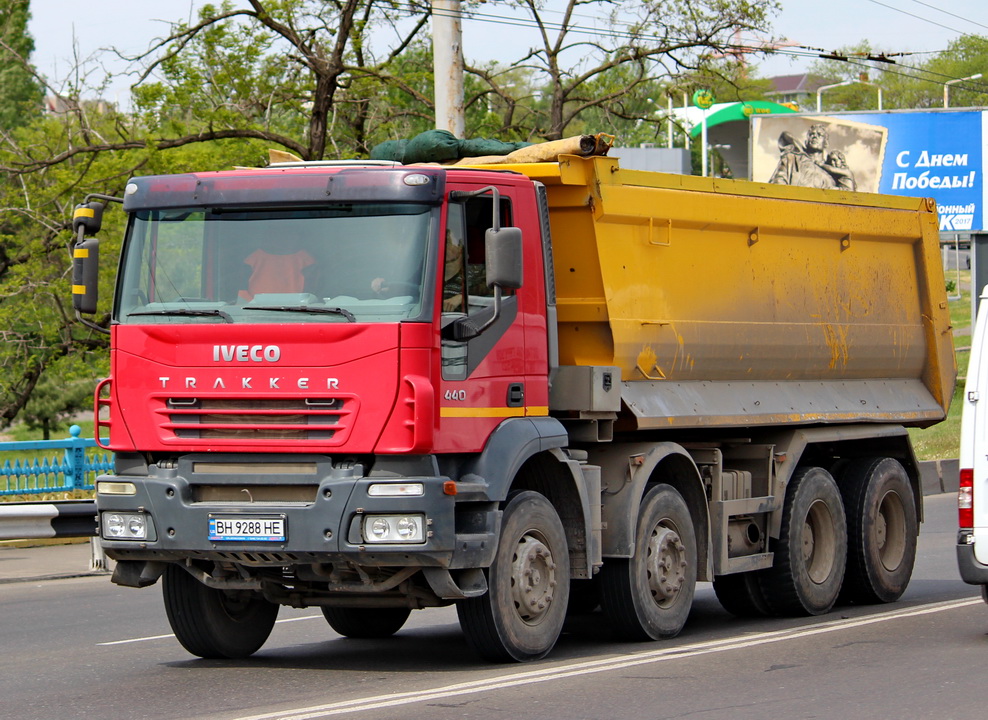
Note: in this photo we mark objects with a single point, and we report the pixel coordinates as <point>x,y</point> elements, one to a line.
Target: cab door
<point>501,372</point>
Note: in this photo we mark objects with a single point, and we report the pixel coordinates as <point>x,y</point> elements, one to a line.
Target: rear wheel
<point>522,613</point>
<point>365,623</point>
<point>881,530</point>
<point>810,553</point>
<point>741,594</point>
<point>214,623</point>
<point>648,596</point>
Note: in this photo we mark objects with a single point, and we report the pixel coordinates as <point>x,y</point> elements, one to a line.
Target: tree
<point>61,394</point>
<point>310,76</point>
<point>21,94</point>
<point>273,72</point>
<point>647,39</point>
<point>905,84</point>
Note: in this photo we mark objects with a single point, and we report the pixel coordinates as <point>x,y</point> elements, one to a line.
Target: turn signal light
<point>965,499</point>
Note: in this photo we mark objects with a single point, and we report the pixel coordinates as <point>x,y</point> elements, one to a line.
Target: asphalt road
<point>83,648</point>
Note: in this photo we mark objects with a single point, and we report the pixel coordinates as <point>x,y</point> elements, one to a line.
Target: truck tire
<point>214,623</point>
<point>522,614</point>
<point>881,530</point>
<point>741,594</point>
<point>648,596</point>
<point>366,623</point>
<point>811,551</point>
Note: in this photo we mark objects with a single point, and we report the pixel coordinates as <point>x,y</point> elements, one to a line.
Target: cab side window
<point>465,278</point>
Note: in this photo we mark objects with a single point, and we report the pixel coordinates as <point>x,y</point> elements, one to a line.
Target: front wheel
<point>522,614</point>
<point>214,623</point>
<point>365,623</point>
<point>810,553</point>
<point>648,596</point>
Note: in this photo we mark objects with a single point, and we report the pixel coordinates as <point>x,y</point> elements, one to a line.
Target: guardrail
<point>74,470</point>
<point>40,520</point>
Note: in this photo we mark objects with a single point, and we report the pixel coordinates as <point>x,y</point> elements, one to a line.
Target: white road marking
<point>575,669</point>
<point>171,635</point>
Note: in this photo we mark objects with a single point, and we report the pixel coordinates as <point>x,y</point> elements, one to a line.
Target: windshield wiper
<point>185,311</point>
<point>305,309</point>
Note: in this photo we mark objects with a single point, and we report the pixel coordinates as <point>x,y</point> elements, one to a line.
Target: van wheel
<point>811,550</point>
<point>214,623</point>
<point>366,623</point>
<point>522,614</point>
<point>648,596</point>
<point>881,530</point>
<point>741,595</point>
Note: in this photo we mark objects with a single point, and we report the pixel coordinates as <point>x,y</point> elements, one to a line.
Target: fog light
<point>124,526</point>
<point>394,529</point>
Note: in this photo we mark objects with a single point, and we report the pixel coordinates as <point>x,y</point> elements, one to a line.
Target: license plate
<point>245,528</point>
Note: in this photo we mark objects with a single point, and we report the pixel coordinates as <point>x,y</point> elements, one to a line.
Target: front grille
<point>247,419</point>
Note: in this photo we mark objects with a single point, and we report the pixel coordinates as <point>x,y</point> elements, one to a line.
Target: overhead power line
<point>947,12</point>
<point>761,47</point>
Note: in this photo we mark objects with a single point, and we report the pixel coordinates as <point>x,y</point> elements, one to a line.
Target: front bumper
<point>323,520</point>
<point>972,571</point>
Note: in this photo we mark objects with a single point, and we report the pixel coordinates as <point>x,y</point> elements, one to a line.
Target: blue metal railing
<point>76,469</point>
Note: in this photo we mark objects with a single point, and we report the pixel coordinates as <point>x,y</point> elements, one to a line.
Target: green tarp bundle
<point>440,146</point>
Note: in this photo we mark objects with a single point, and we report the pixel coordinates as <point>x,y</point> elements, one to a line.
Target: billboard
<point>935,153</point>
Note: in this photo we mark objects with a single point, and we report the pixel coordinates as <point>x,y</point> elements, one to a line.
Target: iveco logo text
<point>246,353</point>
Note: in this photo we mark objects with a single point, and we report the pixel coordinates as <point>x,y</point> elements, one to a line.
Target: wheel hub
<point>533,578</point>
<point>819,542</point>
<point>666,565</point>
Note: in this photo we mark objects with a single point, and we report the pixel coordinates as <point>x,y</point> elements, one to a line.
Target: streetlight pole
<point>819,92</point>
<point>946,87</point>
<point>447,53</point>
<point>865,82</point>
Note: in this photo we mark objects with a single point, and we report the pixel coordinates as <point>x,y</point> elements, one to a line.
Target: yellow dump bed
<point>737,303</point>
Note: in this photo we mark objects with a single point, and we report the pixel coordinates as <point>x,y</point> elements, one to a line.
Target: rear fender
<point>625,471</point>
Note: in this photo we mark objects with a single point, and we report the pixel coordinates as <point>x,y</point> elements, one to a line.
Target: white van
<point>972,498</point>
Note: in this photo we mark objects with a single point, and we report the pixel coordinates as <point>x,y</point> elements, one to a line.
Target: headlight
<point>394,529</point>
<point>124,526</point>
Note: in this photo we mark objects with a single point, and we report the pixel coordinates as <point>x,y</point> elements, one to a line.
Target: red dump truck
<point>521,389</point>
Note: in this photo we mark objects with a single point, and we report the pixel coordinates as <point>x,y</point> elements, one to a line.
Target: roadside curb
<point>57,576</point>
<point>939,476</point>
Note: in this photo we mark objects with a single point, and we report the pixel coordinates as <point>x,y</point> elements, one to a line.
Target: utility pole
<point>447,65</point>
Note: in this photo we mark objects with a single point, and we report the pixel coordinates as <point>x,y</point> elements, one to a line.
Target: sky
<point>64,28</point>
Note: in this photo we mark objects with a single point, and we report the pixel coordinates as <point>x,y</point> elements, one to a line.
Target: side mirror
<point>85,275</point>
<point>87,219</point>
<point>503,250</point>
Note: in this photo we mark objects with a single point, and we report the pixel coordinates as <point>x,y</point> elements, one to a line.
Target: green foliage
<point>316,78</point>
<point>60,394</point>
<point>905,83</point>
<point>21,94</point>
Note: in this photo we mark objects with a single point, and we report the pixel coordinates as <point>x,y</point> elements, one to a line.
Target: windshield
<point>342,263</point>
